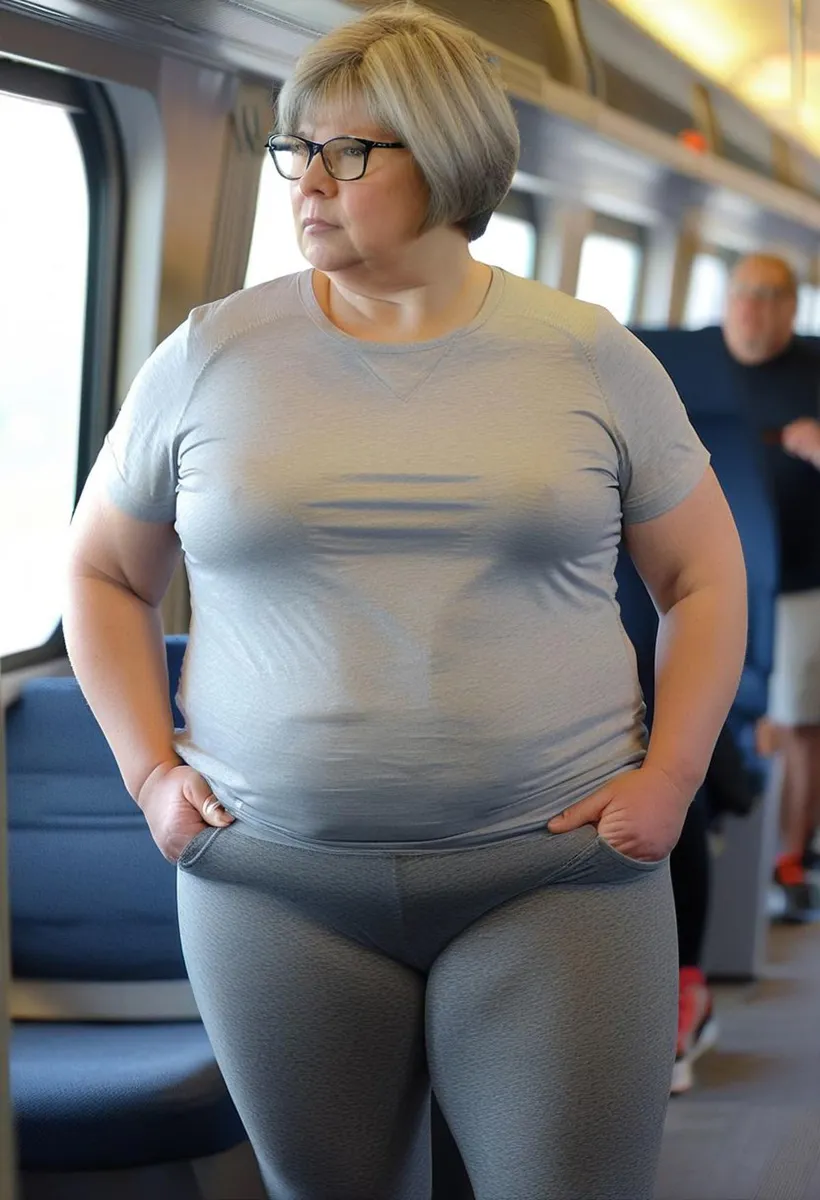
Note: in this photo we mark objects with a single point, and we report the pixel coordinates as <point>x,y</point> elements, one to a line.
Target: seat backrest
<point>736,463</point>
<point>697,363</point>
<point>92,898</point>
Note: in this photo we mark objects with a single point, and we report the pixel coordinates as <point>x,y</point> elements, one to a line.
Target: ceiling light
<point>696,31</point>
<point>769,83</point>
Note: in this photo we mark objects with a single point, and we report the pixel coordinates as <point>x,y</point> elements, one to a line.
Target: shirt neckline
<point>311,305</point>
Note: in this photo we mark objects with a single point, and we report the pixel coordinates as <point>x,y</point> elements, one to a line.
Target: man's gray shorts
<point>794,687</point>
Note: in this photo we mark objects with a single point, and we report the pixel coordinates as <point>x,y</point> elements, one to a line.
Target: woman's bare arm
<point>691,561</point>
<point>119,569</point>
<point>692,564</point>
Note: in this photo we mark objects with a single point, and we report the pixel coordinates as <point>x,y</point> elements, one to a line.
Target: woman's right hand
<point>178,804</point>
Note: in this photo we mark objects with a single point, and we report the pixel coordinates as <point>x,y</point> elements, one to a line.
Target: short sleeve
<point>138,459</point>
<point>662,458</point>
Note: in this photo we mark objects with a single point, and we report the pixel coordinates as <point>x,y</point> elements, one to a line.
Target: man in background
<point>754,368</point>
<point>777,382</point>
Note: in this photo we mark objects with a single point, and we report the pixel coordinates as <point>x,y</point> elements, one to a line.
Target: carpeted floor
<point>750,1130</point>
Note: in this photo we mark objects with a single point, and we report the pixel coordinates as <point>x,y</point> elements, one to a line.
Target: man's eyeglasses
<point>345,158</point>
<point>768,293</point>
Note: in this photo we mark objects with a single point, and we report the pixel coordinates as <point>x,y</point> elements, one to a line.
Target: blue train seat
<point>94,903</point>
<point>700,370</point>
<point>736,939</point>
<point>712,406</point>
<point>175,653</point>
<point>735,461</point>
<point>695,362</point>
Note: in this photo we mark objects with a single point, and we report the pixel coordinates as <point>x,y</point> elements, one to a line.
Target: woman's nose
<point>316,177</point>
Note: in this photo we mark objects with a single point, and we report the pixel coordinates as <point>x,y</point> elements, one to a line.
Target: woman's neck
<point>415,306</point>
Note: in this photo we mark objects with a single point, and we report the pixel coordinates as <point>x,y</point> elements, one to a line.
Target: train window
<point>274,249</point>
<point>44,250</point>
<point>509,242</point>
<point>58,247</point>
<point>609,273</point>
<point>706,298</point>
<point>808,310</point>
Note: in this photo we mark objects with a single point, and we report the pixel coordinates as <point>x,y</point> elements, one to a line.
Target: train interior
<point>660,144</point>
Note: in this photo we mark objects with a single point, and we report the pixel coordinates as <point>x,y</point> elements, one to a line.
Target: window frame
<point>98,138</point>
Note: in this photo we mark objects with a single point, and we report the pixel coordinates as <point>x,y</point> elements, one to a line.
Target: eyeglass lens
<point>767,293</point>
<point>344,158</point>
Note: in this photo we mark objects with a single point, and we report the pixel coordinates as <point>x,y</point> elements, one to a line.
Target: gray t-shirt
<point>401,557</point>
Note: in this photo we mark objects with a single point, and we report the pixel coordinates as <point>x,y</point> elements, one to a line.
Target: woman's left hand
<point>640,814</point>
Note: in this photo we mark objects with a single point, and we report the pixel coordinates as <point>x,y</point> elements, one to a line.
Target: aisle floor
<point>750,1130</point>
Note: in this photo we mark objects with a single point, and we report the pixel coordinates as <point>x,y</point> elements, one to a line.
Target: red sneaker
<point>801,895</point>
<point>697,1027</point>
<point>789,870</point>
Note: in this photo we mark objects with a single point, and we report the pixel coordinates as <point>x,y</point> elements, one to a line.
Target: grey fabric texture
<point>401,557</point>
<point>534,981</point>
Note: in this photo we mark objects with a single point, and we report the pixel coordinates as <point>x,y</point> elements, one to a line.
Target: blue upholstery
<point>93,899</point>
<point>735,467</point>
<point>698,368</point>
<point>65,782</point>
<point>108,1097</point>
<point>737,463</point>
<point>175,652</point>
<point>83,867</point>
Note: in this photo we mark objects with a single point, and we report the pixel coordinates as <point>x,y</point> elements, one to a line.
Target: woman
<point>419,834</point>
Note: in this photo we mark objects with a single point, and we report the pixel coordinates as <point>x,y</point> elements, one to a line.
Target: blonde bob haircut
<point>430,83</point>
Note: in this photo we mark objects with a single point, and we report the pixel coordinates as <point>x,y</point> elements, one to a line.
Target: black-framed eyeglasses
<point>345,158</point>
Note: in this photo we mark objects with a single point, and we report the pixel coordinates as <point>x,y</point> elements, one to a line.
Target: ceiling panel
<point>812,8</point>
<point>745,46</point>
<point>263,36</point>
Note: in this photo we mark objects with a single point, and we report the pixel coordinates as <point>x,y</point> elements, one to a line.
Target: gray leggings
<point>534,981</point>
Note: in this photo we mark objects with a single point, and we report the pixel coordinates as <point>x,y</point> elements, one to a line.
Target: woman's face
<point>367,222</point>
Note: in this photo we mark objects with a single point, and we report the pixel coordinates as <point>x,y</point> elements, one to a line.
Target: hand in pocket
<point>640,814</point>
<point>178,804</point>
